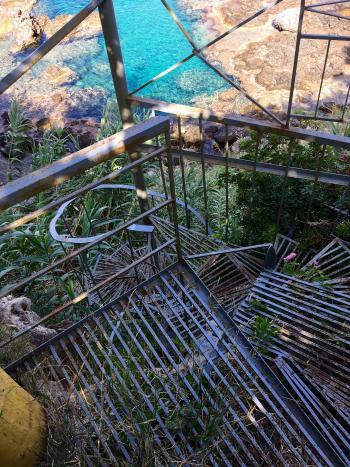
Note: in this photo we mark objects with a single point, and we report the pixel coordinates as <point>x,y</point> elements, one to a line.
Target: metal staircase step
<point>314,324</point>
<point>133,376</point>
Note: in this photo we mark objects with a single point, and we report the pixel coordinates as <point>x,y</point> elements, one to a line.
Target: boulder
<point>287,20</point>
<point>16,314</point>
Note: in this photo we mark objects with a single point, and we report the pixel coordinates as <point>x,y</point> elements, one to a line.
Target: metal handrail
<point>262,126</point>
<point>78,162</point>
<point>48,45</point>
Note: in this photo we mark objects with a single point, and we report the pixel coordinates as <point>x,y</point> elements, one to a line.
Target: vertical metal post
<point>296,58</point>
<point>322,79</point>
<point>227,214</point>
<point>253,187</point>
<point>204,182</point>
<point>285,183</point>
<point>116,62</point>
<point>173,194</point>
<point>183,176</point>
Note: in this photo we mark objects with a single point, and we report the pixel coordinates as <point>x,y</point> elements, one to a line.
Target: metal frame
<point>220,352</point>
<point>115,56</point>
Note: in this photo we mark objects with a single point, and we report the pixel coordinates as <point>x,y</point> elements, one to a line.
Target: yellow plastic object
<point>22,425</point>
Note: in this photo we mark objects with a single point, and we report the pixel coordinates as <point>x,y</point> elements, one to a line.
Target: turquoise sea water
<point>151,42</point>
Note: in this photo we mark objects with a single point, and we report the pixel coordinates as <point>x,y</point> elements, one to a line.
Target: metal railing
<point>78,261</point>
<point>314,172</point>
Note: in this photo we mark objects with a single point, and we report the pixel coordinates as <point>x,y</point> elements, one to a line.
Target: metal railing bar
<point>6,290</point>
<point>78,162</point>
<point>179,24</point>
<point>214,41</point>
<point>204,181</point>
<point>252,188</point>
<point>182,165</point>
<point>346,103</point>
<point>229,250</point>
<point>227,155</point>
<point>295,62</point>
<point>173,196</point>
<point>322,78</point>
<point>238,121</point>
<point>332,2</point>
<point>320,117</point>
<point>312,196</point>
<point>239,88</point>
<point>48,45</point>
<point>79,298</point>
<point>328,13</point>
<point>285,184</point>
<point>160,75</point>
<point>325,37</point>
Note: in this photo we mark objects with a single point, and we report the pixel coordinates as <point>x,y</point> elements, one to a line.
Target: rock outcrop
<point>17,315</point>
<point>90,27</point>
<point>19,25</point>
<point>261,53</point>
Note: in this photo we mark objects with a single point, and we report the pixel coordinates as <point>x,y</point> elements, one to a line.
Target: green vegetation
<point>309,273</point>
<point>343,230</point>
<point>253,205</point>
<point>259,198</point>
<point>17,139</point>
<point>264,330</point>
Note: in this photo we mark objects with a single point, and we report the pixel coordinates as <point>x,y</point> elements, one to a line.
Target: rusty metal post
<point>173,194</point>
<point>295,63</point>
<point>116,62</point>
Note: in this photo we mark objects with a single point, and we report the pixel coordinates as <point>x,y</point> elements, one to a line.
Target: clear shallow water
<point>151,42</point>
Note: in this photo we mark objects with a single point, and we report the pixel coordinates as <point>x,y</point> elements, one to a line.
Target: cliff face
<point>260,54</point>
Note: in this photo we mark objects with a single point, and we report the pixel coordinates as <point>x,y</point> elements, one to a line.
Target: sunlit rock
<point>55,74</point>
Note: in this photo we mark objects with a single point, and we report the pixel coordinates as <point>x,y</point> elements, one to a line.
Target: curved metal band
<point>80,240</point>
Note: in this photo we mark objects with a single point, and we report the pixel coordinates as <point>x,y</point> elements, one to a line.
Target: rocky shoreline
<point>260,55</point>
<point>46,93</point>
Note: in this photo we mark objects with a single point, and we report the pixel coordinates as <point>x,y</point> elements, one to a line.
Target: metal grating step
<point>138,386</point>
<point>334,262</point>
<point>314,328</point>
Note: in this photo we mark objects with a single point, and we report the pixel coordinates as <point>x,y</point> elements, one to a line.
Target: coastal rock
<point>19,25</point>
<point>90,27</point>
<point>17,314</point>
<point>55,74</point>
<point>261,57</point>
<point>287,20</point>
